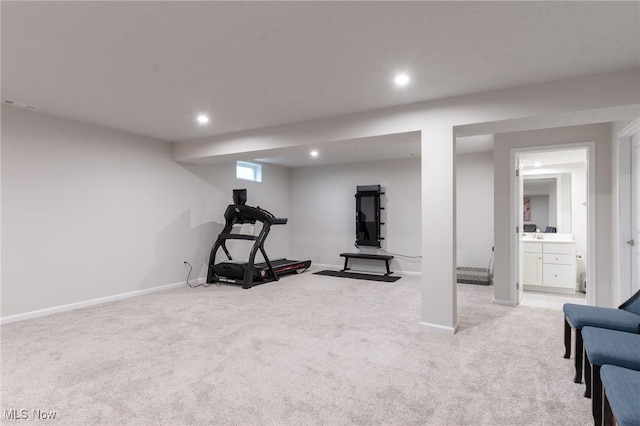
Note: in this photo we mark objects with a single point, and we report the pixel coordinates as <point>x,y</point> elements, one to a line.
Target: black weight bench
<point>384,257</point>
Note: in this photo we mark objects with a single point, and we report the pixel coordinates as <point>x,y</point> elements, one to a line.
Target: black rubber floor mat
<point>358,276</point>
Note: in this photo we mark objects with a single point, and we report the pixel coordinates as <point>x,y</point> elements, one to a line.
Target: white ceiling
<point>473,144</point>
<point>149,67</point>
<point>378,148</point>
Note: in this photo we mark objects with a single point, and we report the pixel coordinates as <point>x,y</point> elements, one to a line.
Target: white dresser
<point>549,265</point>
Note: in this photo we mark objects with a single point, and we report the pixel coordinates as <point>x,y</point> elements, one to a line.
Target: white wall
<point>601,135</point>
<point>323,211</point>
<point>474,208</point>
<point>579,196</point>
<point>91,212</point>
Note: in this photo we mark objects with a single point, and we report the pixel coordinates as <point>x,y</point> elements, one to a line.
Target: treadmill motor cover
<point>231,269</point>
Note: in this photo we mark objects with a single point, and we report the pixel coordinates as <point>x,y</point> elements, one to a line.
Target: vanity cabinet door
<point>532,268</point>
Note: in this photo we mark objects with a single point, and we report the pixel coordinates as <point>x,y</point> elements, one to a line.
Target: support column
<point>438,231</point>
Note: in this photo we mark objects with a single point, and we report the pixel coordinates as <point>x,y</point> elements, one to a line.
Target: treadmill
<point>248,273</point>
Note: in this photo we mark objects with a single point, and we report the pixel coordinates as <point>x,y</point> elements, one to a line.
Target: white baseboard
<point>440,329</point>
<point>86,303</point>
<point>327,266</point>
<point>503,302</point>
<point>409,273</point>
<point>549,289</point>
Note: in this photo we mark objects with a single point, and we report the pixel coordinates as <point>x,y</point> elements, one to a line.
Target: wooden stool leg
<point>607,416</point>
<point>596,395</point>
<point>579,350</point>
<point>587,376</point>
<point>567,338</point>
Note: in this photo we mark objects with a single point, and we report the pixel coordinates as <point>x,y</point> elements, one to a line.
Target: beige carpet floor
<point>304,351</point>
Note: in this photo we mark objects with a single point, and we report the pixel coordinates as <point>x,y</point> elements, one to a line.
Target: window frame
<point>256,171</point>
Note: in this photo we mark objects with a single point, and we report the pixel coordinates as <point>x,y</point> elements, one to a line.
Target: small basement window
<point>248,171</point>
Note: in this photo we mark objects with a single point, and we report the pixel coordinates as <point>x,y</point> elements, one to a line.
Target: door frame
<point>623,288</point>
<point>591,215</point>
<point>517,207</point>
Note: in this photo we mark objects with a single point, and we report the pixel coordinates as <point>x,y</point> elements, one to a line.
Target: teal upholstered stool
<point>606,347</point>
<point>625,318</point>
<point>621,395</point>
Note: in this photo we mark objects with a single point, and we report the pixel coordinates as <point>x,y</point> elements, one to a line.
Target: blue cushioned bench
<point>625,318</point>
<point>606,347</point>
<point>621,396</point>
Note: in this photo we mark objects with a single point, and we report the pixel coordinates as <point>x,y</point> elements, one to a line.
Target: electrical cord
<point>356,245</point>
<point>205,285</point>
<point>401,255</point>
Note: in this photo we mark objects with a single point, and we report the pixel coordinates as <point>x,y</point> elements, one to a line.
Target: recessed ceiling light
<point>401,79</point>
<point>314,153</point>
<point>202,119</point>
<point>537,164</point>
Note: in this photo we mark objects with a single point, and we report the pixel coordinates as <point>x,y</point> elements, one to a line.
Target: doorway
<point>628,247</point>
<point>551,209</point>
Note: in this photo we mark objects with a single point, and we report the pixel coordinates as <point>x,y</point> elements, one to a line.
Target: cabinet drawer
<point>559,248</point>
<point>532,247</point>
<point>561,259</point>
<point>559,276</point>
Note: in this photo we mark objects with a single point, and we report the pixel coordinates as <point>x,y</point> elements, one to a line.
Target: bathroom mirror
<point>547,201</point>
